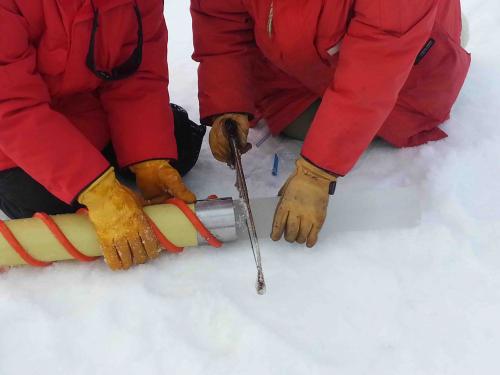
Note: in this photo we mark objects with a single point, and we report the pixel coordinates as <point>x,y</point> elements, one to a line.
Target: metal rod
<point>243,190</point>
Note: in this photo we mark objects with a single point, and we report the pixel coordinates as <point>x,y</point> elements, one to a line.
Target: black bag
<point>189,136</point>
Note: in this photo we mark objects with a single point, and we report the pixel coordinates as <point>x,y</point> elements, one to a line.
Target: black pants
<point>21,196</point>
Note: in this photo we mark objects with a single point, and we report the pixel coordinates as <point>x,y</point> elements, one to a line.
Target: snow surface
<point>424,300</point>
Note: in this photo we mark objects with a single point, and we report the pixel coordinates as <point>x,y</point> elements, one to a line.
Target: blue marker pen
<point>276,164</point>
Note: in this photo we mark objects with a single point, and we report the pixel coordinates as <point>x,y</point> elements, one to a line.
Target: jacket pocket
<point>436,80</point>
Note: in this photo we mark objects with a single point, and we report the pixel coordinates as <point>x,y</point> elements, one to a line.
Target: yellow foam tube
<point>41,244</point>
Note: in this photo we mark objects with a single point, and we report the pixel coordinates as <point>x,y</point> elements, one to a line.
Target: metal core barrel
<point>218,215</point>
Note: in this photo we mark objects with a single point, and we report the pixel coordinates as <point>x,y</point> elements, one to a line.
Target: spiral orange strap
<point>199,226</point>
<point>18,248</point>
<point>165,243</point>
<point>62,239</point>
<point>76,254</point>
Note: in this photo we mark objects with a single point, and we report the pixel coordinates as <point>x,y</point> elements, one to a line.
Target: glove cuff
<point>106,180</point>
<point>149,164</point>
<point>240,118</point>
<point>314,170</point>
<point>209,121</point>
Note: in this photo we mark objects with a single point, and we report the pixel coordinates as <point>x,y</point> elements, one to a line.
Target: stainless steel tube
<point>218,215</point>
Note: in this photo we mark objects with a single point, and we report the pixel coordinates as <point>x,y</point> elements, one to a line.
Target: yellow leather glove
<point>122,227</point>
<point>218,139</point>
<point>302,208</point>
<point>158,180</point>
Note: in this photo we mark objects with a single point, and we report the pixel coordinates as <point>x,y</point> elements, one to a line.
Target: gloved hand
<point>218,138</point>
<point>122,227</point>
<point>158,181</point>
<point>302,208</point>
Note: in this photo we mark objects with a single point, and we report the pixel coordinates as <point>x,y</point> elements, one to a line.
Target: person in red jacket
<point>84,87</point>
<point>337,73</point>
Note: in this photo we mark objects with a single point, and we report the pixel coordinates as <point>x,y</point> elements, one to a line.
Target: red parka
<point>55,114</point>
<point>391,68</point>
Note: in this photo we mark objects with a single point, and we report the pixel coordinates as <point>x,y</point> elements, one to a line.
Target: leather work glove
<point>218,138</point>
<point>302,208</point>
<point>122,227</point>
<point>158,181</point>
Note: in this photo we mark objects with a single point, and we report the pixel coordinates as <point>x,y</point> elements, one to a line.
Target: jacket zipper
<point>270,20</point>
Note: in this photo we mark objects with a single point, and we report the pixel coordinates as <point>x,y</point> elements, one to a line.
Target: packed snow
<point>420,300</point>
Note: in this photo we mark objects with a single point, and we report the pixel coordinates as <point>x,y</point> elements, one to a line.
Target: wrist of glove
<point>122,227</point>
<point>302,209</point>
<point>158,181</point>
<point>218,138</point>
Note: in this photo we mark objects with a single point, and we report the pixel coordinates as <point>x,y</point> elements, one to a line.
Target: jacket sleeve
<point>138,108</point>
<point>39,140</point>
<point>376,58</point>
<point>223,45</point>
